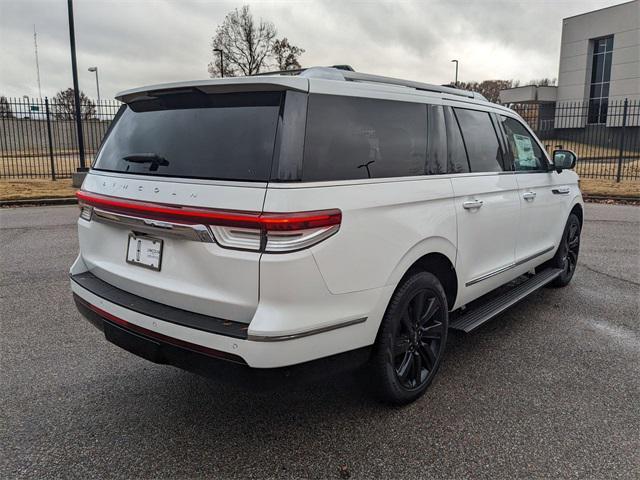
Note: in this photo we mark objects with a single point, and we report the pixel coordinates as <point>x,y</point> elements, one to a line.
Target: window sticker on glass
<point>524,151</point>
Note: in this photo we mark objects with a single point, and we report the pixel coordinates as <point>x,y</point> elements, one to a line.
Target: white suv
<point>258,223</point>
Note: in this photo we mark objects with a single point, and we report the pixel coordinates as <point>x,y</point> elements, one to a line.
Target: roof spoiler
<point>221,85</point>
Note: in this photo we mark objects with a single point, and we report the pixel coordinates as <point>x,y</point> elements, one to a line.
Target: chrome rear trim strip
<point>293,336</point>
<point>199,233</point>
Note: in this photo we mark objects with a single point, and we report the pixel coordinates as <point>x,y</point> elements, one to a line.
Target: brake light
<point>268,232</point>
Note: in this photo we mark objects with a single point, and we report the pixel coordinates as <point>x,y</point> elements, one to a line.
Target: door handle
<point>561,191</point>
<point>529,195</point>
<point>471,204</point>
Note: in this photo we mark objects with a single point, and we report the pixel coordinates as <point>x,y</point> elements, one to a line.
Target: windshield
<point>194,135</point>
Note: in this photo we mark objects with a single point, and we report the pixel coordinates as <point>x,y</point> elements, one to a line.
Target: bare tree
<point>490,89</point>
<point>543,82</point>
<point>245,43</point>
<point>286,55</point>
<point>63,105</point>
<point>5,108</point>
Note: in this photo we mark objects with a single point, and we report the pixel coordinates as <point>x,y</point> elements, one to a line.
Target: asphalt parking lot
<point>549,389</point>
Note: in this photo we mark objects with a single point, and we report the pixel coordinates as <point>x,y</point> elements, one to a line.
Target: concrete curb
<point>38,202</point>
<point>613,198</point>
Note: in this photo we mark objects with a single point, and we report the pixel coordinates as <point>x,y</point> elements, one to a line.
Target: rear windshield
<point>193,135</point>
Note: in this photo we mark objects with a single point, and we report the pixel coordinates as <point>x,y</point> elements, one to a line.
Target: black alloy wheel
<point>566,257</point>
<point>411,340</point>
<point>417,339</point>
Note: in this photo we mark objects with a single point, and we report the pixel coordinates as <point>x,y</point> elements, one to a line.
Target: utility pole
<point>221,63</point>
<point>35,45</point>
<point>76,88</point>
<point>456,62</point>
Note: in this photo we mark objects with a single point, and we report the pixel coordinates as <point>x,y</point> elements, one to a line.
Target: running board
<point>475,317</point>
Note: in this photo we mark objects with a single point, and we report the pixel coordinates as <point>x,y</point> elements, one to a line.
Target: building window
<point>600,76</point>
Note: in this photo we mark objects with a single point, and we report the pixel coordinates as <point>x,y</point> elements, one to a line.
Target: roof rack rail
<point>428,87</point>
<point>298,71</point>
<point>345,72</point>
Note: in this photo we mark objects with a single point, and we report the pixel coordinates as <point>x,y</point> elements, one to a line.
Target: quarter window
<point>527,154</point>
<point>480,140</point>
<point>358,138</point>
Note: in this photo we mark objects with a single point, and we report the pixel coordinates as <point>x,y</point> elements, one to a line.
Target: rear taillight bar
<point>271,232</point>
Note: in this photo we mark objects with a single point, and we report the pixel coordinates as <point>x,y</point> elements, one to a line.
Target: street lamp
<point>95,69</point>
<point>221,64</point>
<point>456,62</point>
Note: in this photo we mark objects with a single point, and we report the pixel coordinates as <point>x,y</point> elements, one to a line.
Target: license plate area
<point>144,251</point>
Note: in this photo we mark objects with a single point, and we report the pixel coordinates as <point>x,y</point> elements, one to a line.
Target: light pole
<point>76,88</point>
<point>95,69</point>
<point>26,100</point>
<point>221,63</point>
<point>456,62</point>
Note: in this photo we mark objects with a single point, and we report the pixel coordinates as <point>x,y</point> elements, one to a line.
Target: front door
<point>542,198</point>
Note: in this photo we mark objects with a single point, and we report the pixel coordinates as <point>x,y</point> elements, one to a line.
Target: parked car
<point>265,222</point>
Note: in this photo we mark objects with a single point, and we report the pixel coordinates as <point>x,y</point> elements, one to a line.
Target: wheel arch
<point>434,255</point>
<point>579,212</point>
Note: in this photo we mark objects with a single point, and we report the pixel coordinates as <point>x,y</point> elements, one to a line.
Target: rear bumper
<point>172,330</point>
<point>213,363</point>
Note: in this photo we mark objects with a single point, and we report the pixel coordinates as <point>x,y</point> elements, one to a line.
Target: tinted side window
<point>357,138</point>
<point>481,140</point>
<point>436,142</point>
<point>457,161</point>
<point>527,154</point>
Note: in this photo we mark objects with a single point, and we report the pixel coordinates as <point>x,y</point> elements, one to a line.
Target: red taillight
<point>271,232</point>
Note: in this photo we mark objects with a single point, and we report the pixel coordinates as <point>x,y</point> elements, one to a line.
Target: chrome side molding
<point>198,233</point>
<point>315,331</point>
<point>508,267</point>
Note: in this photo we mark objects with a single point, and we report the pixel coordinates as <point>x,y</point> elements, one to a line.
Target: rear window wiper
<point>153,158</point>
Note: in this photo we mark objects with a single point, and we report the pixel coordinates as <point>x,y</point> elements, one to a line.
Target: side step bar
<point>475,317</point>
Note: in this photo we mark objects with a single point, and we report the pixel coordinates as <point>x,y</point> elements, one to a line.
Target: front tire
<point>566,257</point>
<point>412,339</point>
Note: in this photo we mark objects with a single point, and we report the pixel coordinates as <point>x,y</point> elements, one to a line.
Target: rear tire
<point>567,255</point>
<point>411,340</point>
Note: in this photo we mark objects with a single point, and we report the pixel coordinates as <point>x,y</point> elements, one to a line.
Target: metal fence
<point>606,137</point>
<point>38,136</point>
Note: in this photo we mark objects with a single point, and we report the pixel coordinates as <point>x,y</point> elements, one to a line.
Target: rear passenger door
<point>542,208</point>
<point>486,202</point>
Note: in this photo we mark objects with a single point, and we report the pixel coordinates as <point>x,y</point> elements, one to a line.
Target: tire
<point>566,257</point>
<point>405,358</point>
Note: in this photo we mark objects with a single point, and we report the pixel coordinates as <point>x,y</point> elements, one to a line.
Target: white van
<point>264,222</point>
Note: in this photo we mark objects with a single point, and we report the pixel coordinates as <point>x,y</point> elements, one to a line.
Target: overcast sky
<point>142,42</point>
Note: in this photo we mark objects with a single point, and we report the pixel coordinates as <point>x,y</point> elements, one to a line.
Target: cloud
<point>144,42</point>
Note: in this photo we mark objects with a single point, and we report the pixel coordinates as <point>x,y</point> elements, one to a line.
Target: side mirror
<point>564,160</point>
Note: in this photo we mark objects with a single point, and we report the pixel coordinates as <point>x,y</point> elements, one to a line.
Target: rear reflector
<point>270,232</point>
